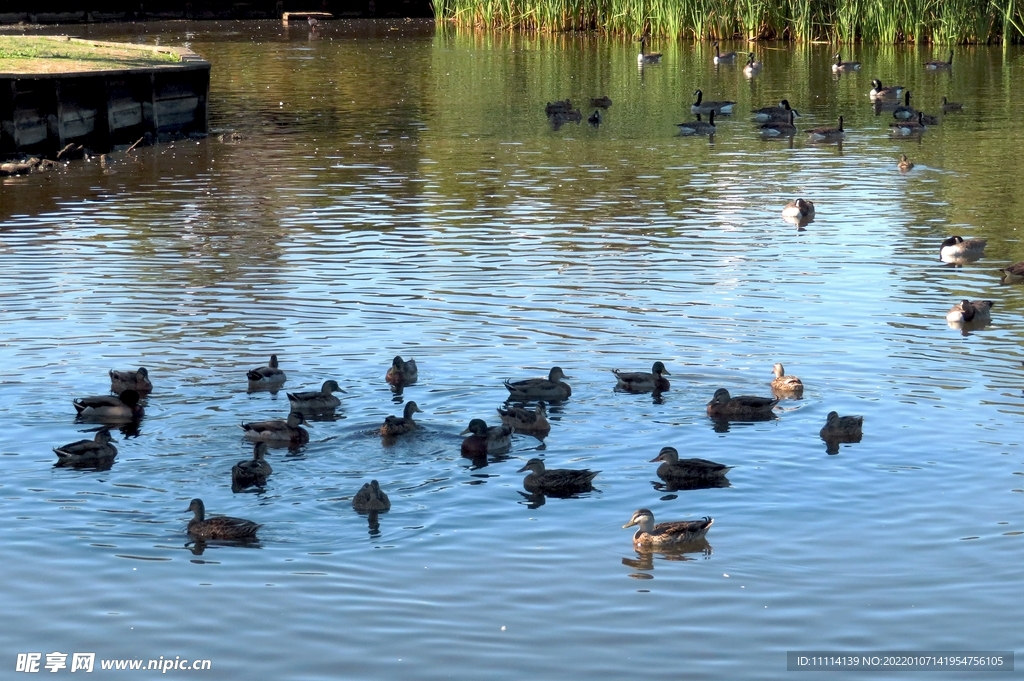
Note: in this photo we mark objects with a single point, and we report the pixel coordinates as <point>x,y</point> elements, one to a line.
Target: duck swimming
<point>558,481</point>
<point>316,400</point>
<point>402,373</point>
<point>641,381</point>
<point>254,471</point>
<point>108,409</point>
<point>87,452</point>
<point>785,385</point>
<point>698,127</point>
<point>130,380</point>
<point>1014,274</point>
<point>970,311</point>
<point>650,536</point>
<point>371,499</point>
<point>483,440</point>
<point>905,163</point>
<point>550,389</point>
<point>278,431</point>
<point>267,376</point>
<point>676,470</point>
<point>521,420</point>
<point>957,249</point>
<point>801,209</point>
<point>840,66</point>
<point>399,425</point>
<point>839,429</point>
<point>704,107</point>
<point>219,527</point>
<point>740,408</point>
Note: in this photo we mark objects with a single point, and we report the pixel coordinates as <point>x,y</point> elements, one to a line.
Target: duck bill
<point>631,523</point>
<point>467,430</point>
<point>657,458</point>
<point>523,469</point>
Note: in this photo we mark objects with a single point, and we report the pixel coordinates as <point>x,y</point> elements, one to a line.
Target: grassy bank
<point>42,54</point>
<point>875,21</point>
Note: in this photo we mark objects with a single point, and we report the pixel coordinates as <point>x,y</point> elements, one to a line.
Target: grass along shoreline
<point>59,54</point>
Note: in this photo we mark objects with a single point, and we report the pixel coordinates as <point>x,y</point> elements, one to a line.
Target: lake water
<point>400,191</point>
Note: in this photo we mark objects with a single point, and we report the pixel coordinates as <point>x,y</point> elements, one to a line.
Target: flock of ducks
<point>482,440</point>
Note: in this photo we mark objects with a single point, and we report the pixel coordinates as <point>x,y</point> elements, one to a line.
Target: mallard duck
<point>556,481</point>
<point>948,106</point>
<point>780,113</point>
<point>130,380</point>
<point>521,420</point>
<point>399,425</point>
<point>752,67</point>
<point>827,134</point>
<point>722,406</point>
<point>839,66</point>
<point>701,106</point>
<point>254,471</point>
<point>801,209</point>
<point>905,163</point>
<point>957,249</point>
<point>641,381</point>
<point>371,498</point>
<point>648,58</point>
<point>837,426</point>
<point>727,58</point>
<point>219,527</point>
<point>269,375</point>
<point>110,409</point>
<point>976,311</point>
<point>602,102</point>
<point>316,400</point>
<point>550,389</point>
<point>935,65</point>
<point>780,128</point>
<point>878,91</point>
<point>87,452</point>
<point>911,127</point>
<point>674,469</point>
<point>402,373</point>
<point>1014,274</point>
<point>483,440</point>
<point>595,118</point>
<point>904,111</point>
<point>651,536</point>
<point>288,431</point>
<point>783,384</point>
<point>698,127</point>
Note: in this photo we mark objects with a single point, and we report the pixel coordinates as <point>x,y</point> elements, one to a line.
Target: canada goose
<point>839,66</point>
<point>727,58</point>
<point>778,113</point>
<point>752,66</point>
<point>905,163</point>
<point>778,128</point>
<point>934,65</point>
<point>827,134</point>
<point>878,91</point>
<point>967,311</point>
<point>650,58</point>
<point>701,106</point>
<point>904,111</point>
<point>957,249</point>
<point>799,208</point>
<point>698,127</point>
<point>913,127</point>
<point>595,118</point>
<point>948,106</point>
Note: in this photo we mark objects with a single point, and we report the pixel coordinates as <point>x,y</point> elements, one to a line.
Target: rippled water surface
<point>399,191</point>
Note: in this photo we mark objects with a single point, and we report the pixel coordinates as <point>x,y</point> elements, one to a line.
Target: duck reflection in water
<point>644,559</point>
<point>199,546</point>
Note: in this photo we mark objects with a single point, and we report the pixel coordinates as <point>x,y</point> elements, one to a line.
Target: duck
<point>698,127</point>
<point>595,118</point>
<point>674,469</point>
<point>785,384</point>
<point>550,389</point>
<point>935,65</point>
<point>911,127</point>
<point>254,471</point>
<point>827,134</point>
<point>110,409</point>
<point>371,498</point>
<point>727,58</point>
<point>878,91</point>
<point>948,106</point>
<point>130,380</point>
<point>904,111</point>
<point>970,311</point>
<point>521,420</point>
<point>752,67</point>
<point>483,440</point>
<point>722,406</point>
<point>778,113</point>
<point>780,128</point>
<point>801,209</point>
<point>288,431</point>
<point>399,425</point>
<point>701,106</point>
<point>840,66</point>
<point>649,58</point>
<point>559,107</point>
<point>905,163</point>
<point>87,452</point>
<point>837,426</point>
<point>269,375</point>
<point>641,381</point>
<point>401,373</point>
<point>1014,274</point>
<point>316,400</point>
<point>556,481</point>
<point>219,527</point>
<point>602,102</point>
<point>957,249</point>
<point>662,535</point>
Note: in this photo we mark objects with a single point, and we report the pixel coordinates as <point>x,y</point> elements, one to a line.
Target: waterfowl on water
<point>550,389</point>
<point>948,106</point>
<point>780,128</point>
<point>595,118</point>
<point>934,65</point>
<point>402,373</point>
<point>702,106</point>
<point>878,91</point>
<point>674,469</point>
<point>784,384</point>
<point>399,425</point>
<point>560,107</point>
<point>483,440</point>
<point>87,452</point>
<point>752,67</point>
<point>288,431</point>
<point>780,113</point>
<point>648,58</point>
<point>651,536</point>
<point>254,471</point>
<point>957,249</point>
<point>722,406</point>
<point>316,400</point>
<point>698,127</point>
<point>641,381</point>
<point>905,163</point>
<point>727,58</point>
<point>904,111</point>
<point>557,480</point>
<point>269,375</point>
<point>371,498</point>
<point>801,209</point>
<point>602,102</point>
<point>130,380</point>
<point>911,127</point>
<point>827,134</point>
<point>110,409</point>
<point>968,311</point>
<point>521,420</point>
<point>837,426</point>
<point>219,527</point>
<point>1014,274</point>
<point>839,66</point>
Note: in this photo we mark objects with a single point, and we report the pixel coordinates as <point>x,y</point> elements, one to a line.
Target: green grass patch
<point>39,54</point>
